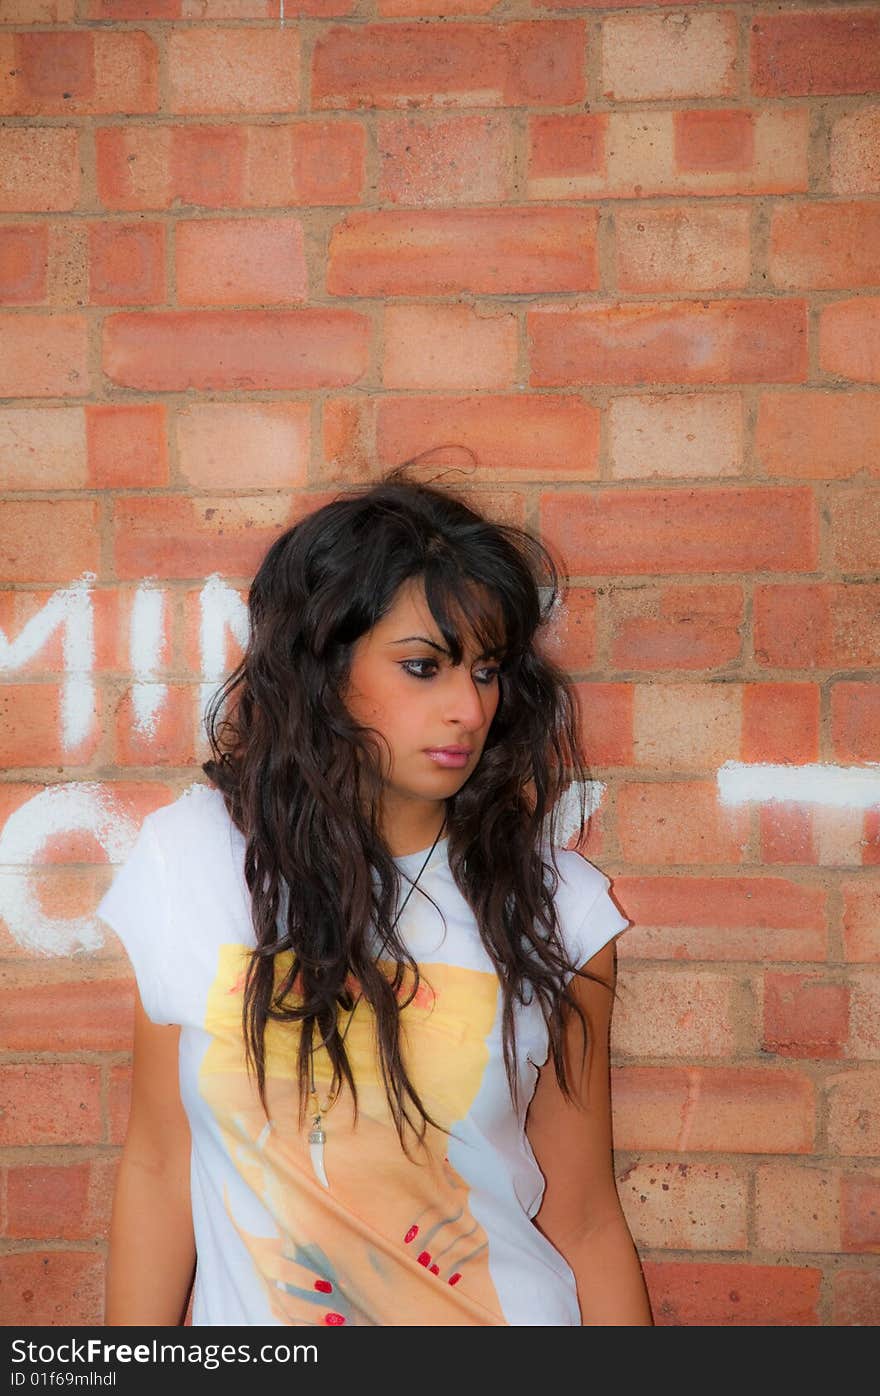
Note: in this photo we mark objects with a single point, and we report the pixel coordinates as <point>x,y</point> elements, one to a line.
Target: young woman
<point>371,1078</point>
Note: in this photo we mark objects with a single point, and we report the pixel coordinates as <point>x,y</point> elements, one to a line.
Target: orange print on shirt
<point>393,1241</point>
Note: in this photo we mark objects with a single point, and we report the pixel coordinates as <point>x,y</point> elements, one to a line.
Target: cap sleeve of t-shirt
<point>137,906</point>
<point>588,916</point>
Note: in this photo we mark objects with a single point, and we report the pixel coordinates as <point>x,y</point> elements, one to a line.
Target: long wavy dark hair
<point>301,778</point>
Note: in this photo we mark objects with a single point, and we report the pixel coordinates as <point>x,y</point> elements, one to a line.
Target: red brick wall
<point>630,256</point>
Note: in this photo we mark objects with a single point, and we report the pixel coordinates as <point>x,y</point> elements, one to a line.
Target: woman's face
<point>403,684</point>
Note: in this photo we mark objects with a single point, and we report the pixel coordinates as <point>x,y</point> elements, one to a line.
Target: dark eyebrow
<point>423,639</point>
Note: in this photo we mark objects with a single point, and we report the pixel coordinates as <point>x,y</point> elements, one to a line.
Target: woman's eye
<point>410,666</point>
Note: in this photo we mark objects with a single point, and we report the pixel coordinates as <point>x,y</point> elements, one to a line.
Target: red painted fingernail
<point>435,1269</point>
<point>410,1235</point>
<point>324,1286</point>
<point>425,1258</point>
<point>454,1279</point>
<point>334,1319</point>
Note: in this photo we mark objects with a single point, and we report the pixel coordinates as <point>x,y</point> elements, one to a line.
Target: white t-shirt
<point>442,1237</point>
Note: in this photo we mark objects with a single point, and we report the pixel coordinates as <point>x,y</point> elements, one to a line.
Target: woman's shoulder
<point>579,879</point>
<point>198,812</point>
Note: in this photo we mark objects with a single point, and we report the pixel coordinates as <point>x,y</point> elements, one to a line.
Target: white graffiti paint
<point>835,787</point>
<point>70,610</point>
<point>59,809</point>
<point>221,610</point>
<point>145,646</point>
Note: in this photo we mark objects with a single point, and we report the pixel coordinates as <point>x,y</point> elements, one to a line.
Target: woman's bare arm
<point>152,1250</point>
<point>580,1213</point>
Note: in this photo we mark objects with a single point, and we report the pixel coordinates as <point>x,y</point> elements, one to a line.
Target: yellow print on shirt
<point>392,1242</point>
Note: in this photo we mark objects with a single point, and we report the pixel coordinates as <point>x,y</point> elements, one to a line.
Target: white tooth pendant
<point>316,1151</point>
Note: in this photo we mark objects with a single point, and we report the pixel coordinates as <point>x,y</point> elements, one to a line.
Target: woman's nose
<point>465,700</point>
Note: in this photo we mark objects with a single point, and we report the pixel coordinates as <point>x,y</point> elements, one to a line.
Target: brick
<point>786,833</point>
<point>50,1103</point>
<point>208,10</point>
<point>126,263</point>
<point>285,165</point>
<point>76,73</point>
<point>529,437</point>
<point>139,9</point>
<point>126,445</point>
<point>566,148</point>
<point>434,7</point>
<point>234,70</point>
<point>52,1288</point>
<point>42,448</point>
<point>37,11</point>
<point>817,626</point>
<point>797,1207</point>
<point>840,836</point>
<point>571,638</point>
<point>683,249</point>
<point>860,1205</point>
<point>685,726</point>
<point>39,169</point>
<point>722,918</point>
<point>814,434</point>
<point>643,153</point>
<point>118,1103</point>
<point>853,1100</point>
<point>33,728</point>
<point>861,920</point>
<point>745,341</point>
<point>43,355</point>
<point>228,445</point>
<point>674,627</point>
<point>449,64</point>
<point>227,350</point>
<point>675,1014</point>
<point>825,246</point>
<point>715,1109</point>
<point>651,57</point>
<point>854,516</point>
<point>72,526</point>
<point>854,151</point>
<point>24,256</point>
<point>252,261</point>
<point>606,722</point>
<point>649,531</point>
<point>675,434</point>
<point>445,160</point>
<point>856,1298</point>
<point>715,139</point>
<point>448,346</point>
<point>864,1038</point>
<point>64,1202</point>
<point>814,51</point>
<point>167,739</point>
<point>780,722</point>
<point>349,438</point>
<point>178,536</point>
<point>733,1296</point>
<point>804,1015</point>
<point>855,721</point>
<point>442,252</point>
<point>672,822</point>
<point>133,799</point>
<point>85,1016</point>
<point>685,1206</point>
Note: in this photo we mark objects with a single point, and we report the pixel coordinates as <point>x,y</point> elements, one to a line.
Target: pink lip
<point>449,755</point>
